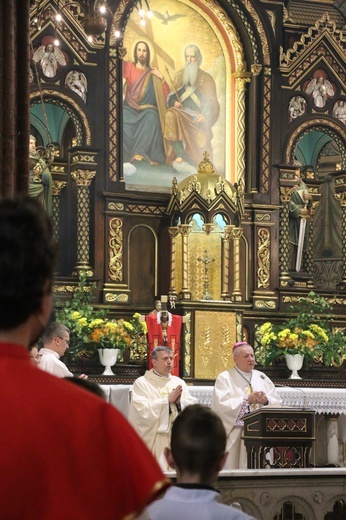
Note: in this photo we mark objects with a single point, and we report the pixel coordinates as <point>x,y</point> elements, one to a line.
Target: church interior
<point>230,213</point>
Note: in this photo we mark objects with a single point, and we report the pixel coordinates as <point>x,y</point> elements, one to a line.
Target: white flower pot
<point>294,362</point>
<point>108,358</point>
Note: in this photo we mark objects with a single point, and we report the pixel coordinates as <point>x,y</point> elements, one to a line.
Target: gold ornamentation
<point>63,288</point>
<point>110,297</point>
<point>265,171</point>
<point>265,304</point>
<point>341,197</point>
<point>173,233</point>
<point>272,18</point>
<point>256,69</point>
<point>225,350</point>
<point>206,349</point>
<point>57,187</point>
<point>187,343</point>
<point>113,116</point>
<point>323,25</point>
<point>263,258</point>
<point>83,178</point>
<point>232,33</point>
<point>194,185</point>
<point>262,33</point>
<point>145,210</point>
<point>116,206</point>
<point>285,193</point>
<point>213,332</point>
<point>85,158</point>
<point>115,264</point>
<point>263,217</point>
<point>208,228</point>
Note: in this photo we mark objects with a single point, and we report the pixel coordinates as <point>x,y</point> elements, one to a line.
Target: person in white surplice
<point>156,400</point>
<point>236,392</point>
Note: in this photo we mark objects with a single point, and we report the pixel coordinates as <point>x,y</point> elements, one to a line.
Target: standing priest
<point>156,400</point>
<point>237,392</point>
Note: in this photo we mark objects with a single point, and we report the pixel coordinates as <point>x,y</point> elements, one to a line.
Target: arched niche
<point>318,146</point>
<point>60,119</point>
<point>308,144</point>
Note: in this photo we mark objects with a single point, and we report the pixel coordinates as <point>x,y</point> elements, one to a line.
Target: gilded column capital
<point>240,83</point>
<point>237,233</point>
<point>285,193</point>
<point>173,231</point>
<point>185,229</point>
<point>341,197</point>
<point>208,228</point>
<point>83,178</point>
<point>256,69</point>
<point>227,232</point>
<point>57,187</point>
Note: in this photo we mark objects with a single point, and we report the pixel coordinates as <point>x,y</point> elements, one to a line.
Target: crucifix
<point>206,260</point>
<point>164,330</point>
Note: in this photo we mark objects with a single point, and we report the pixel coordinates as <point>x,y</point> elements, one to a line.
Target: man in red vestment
<point>64,452</point>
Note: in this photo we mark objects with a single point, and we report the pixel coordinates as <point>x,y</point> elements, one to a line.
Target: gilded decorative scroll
<point>113,114</point>
<point>215,335</point>
<point>262,34</point>
<point>115,244</point>
<point>240,144</point>
<point>263,258</point>
<point>266,132</point>
<point>187,345</point>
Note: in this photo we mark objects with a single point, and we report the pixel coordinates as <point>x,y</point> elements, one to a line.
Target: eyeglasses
<point>66,340</point>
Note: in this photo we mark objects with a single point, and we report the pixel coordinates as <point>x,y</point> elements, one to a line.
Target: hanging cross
<point>206,261</point>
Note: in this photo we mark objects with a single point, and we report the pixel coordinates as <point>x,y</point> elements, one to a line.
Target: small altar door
<point>279,437</point>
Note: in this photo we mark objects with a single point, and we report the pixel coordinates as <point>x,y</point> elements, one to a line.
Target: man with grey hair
<point>55,341</point>
<point>156,400</point>
<point>193,109</point>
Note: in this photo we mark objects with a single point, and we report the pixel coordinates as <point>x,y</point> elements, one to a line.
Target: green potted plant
<point>308,335</point>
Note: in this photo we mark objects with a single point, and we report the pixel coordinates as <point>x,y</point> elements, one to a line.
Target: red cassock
<point>156,336</point>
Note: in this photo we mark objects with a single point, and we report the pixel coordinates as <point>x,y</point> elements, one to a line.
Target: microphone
<point>305,401</point>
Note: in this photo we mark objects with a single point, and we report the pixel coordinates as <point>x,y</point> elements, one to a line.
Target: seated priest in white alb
<point>156,400</point>
<point>237,392</point>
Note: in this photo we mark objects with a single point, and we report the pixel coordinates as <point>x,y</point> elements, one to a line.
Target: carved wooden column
<point>285,195</point>
<point>185,230</point>
<point>173,233</point>
<point>225,237</point>
<point>252,148</point>
<point>241,79</point>
<point>83,180</point>
<point>236,234</point>
<point>341,197</point>
<point>57,188</point>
